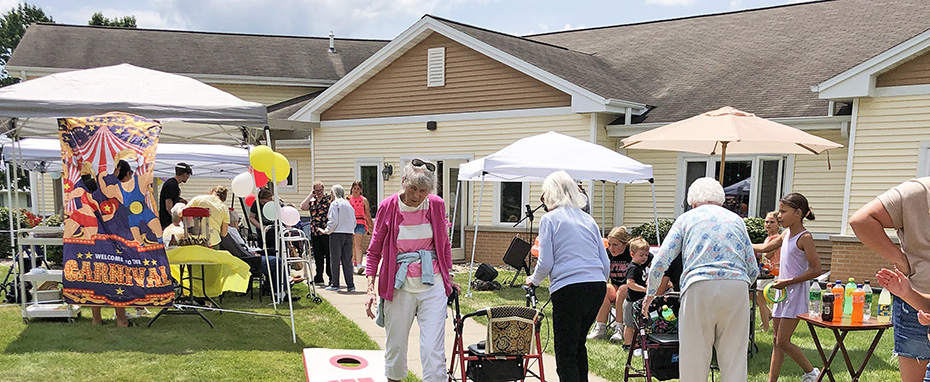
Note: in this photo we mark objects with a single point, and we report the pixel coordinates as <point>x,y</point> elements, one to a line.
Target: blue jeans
<point>910,337</point>
<point>273,264</point>
<point>359,229</point>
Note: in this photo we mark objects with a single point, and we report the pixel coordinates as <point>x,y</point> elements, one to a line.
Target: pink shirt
<point>415,233</point>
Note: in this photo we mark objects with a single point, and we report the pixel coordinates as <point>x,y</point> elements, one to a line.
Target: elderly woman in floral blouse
<point>719,265</point>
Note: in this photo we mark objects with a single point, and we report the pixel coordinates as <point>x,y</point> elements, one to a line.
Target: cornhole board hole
<point>340,365</point>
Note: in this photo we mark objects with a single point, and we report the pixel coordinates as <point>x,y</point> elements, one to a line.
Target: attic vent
<point>436,67</point>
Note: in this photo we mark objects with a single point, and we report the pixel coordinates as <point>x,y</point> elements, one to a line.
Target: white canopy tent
<point>532,159</point>
<point>188,110</point>
<point>210,161</point>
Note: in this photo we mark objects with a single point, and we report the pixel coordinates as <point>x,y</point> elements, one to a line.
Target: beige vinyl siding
<point>267,95</point>
<point>637,204</point>
<point>823,187</point>
<point>300,167</point>
<point>337,149</point>
<point>200,186</point>
<point>474,82</point>
<point>913,72</point>
<point>888,135</point>
<point>45,194</point>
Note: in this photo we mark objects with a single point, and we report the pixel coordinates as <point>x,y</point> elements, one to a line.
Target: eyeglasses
<point>417,162</point>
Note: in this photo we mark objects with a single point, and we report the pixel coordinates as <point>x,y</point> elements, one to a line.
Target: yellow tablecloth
<point>227,273</point>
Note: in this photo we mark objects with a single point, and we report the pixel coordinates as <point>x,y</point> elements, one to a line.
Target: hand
<point>923,318</point>
<point>647,302</point>
<point>780,284</point>
<point>529,281</point>
<point>457,287</point>
<point>369,303</point>
<point>895,281</point>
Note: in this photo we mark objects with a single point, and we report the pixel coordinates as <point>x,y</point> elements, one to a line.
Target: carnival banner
<point>113,252</point>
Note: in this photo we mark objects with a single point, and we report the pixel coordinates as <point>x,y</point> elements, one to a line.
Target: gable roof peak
<point>448,21</point>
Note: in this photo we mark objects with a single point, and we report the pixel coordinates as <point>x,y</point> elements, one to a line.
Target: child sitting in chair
<point>636,283</point>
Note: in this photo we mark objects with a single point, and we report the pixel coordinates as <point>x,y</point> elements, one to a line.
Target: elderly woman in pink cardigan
<point>410,250</point>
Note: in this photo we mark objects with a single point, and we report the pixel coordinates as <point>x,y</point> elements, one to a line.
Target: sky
<point>381,19</point>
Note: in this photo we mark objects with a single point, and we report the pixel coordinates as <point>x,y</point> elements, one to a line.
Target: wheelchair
<point>658,340</point>
<point>512,345</point>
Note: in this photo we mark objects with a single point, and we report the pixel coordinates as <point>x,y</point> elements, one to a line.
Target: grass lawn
<point>176,348</point>
<point>607,359</point>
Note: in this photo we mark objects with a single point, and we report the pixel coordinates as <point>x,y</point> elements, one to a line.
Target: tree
<point>122,22</point>
<point>12,28</point>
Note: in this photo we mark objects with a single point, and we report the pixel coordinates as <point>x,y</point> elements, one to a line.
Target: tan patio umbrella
<point>729,131</point>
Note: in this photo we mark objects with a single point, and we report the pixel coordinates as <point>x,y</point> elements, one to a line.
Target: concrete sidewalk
<point>352,305</point>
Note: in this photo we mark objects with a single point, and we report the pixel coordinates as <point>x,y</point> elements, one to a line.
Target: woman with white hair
<point>411,251</point>
<point>719,264</point>
<point>572,255</point>
<point>340,227</point>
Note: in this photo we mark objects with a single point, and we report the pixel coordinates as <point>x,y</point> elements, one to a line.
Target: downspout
<point>850,154</point>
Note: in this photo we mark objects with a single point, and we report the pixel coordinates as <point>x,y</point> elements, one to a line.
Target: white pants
<point>430,309</point>
<point>714,315</point>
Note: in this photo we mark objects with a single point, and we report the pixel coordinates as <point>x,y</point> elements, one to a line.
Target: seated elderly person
<point>174,232</point>
<point>234,244</point>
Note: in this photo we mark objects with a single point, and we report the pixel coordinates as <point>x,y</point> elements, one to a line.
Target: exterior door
<point>448,187</point>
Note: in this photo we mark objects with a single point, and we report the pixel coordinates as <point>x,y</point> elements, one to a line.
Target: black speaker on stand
<point>519,249</point>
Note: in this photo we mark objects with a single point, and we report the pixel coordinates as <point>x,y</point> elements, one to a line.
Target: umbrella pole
<point>474,239</point>
<point>723,159</point>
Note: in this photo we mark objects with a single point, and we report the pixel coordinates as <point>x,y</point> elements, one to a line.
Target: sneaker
<point>598,331</point>
<point>350,289</point>
<point>332,288</point>
<point>618,335</point>
<point>810,377</point>
<point>360,270</point>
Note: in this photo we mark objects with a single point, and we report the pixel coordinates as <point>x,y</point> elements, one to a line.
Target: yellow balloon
<point>262,158</point>
<point>281,167</point>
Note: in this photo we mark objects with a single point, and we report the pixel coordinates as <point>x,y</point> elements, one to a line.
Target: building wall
<point>823,184</point>
<point>913,72</point>
<point>852,259</point>
<point>637,203</point>
<point>267,95</point>
<point>888,135</point>
<point>473,82</point>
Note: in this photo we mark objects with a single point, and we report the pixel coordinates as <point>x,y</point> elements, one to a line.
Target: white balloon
<point>242,184</point>
<point>290,216</point>
<point>270,211</point>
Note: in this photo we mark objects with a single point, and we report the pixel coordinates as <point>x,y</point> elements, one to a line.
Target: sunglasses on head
<point>416,162</point>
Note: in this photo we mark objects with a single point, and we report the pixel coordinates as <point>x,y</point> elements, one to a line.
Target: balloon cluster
<point>265,162</point>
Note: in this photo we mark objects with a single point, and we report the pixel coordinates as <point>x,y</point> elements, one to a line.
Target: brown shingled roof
<point>182,52</point>
<point>763,61</point>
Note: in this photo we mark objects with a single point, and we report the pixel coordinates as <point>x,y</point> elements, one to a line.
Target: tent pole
<point>603,208</point>
<point>283,270</point>
<point>474,239</point>
<point>455,207</point>
<point>655,210</point>
<point>723,159</point>
<point>261,235</point>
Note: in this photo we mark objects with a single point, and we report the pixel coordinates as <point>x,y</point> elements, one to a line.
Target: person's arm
<point>869,223</point>
<point>305,205</point>
<point>632,285</point>
<point>372,260</point>
<point>671,248</point>
<point>332,218</point>
<point>253,218</point>
<point>367,208</point>
<point>224,229</point>
<point>664,286</point>
<point>806,244</point>
<point>770,246</point>
<point>898,284</point>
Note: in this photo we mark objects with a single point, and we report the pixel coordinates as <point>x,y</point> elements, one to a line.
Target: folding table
<point>840,330</point>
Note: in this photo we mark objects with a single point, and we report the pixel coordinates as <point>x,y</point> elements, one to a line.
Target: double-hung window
<point>752,184</point>
<point>509,201</point>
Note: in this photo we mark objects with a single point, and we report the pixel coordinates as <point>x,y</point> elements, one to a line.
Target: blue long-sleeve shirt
<point>714,245</point>
<point>571,250</point>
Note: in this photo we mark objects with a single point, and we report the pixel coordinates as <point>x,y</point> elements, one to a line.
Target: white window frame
<point>371,161</point>
<point>785,175</point>
<point>923,159</point>
<point>496,221</point>
<point>291,188</point>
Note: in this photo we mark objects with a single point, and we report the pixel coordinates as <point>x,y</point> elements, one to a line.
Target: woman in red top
<point>363,223</point>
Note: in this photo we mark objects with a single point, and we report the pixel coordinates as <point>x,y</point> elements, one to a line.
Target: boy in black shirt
<point>636,283</point>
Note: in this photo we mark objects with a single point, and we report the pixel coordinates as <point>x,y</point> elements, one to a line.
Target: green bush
<point>23,218</point>
<point>53,253</point>
<point>648,230</point>
<point>756,229</point>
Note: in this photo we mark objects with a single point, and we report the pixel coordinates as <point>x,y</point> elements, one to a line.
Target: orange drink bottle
<point>858,304</point>
<point>838,302</point>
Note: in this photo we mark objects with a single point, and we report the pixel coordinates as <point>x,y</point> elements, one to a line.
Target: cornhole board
<point>322,365</point>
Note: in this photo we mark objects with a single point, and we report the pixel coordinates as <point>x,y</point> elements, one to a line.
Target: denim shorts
<point>910,337</point>
<point>359,229</point>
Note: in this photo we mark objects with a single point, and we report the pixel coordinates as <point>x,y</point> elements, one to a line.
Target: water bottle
<point>828,305</point>
<point>858,302</point>
<point>847,298</point>
<point>867,302</point>
<point>884,306</point>
<point>814,296</point>
<point>668,314</point>
<point>838,300</point>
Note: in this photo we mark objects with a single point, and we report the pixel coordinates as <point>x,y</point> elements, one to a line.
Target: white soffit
<point>859,81</point>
